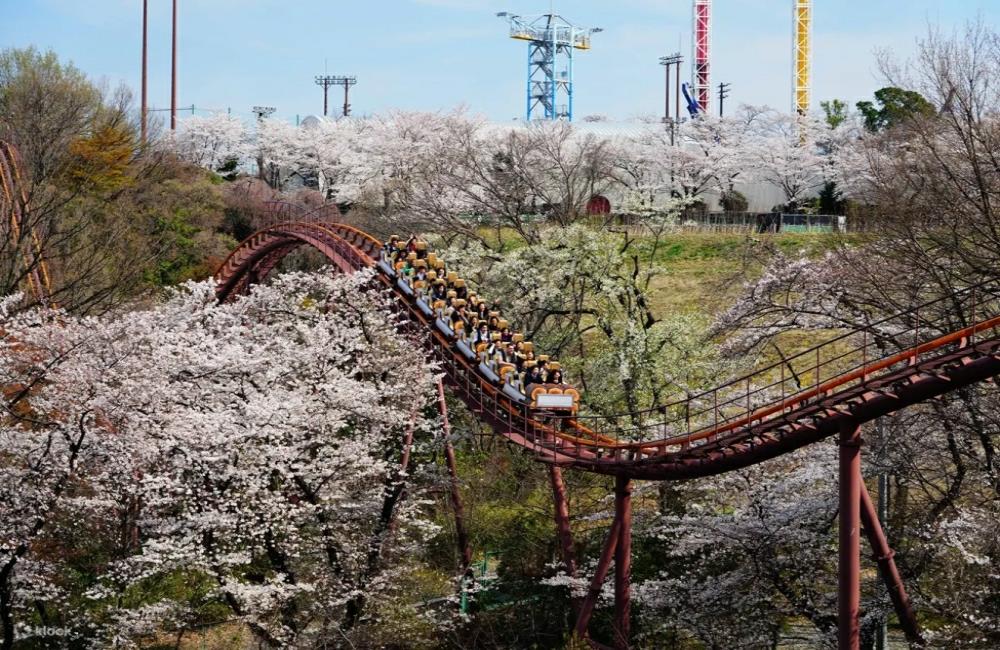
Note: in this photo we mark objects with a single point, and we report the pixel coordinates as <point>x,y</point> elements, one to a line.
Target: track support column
<point>849,578</point>
<point>563,529</point>
<point>456,500</point>
<point>623,562</point>
<point>603,565</point>
<point>887,569</point>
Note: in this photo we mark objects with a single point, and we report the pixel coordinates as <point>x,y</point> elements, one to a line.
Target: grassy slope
<point>705,271</point>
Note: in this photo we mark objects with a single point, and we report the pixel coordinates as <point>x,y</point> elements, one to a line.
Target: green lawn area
<point>704,272</point>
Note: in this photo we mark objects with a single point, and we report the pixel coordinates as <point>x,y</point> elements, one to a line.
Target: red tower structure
<point>701,42</point>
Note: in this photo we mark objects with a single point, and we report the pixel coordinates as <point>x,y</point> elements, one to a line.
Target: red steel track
<point>828,390</point>
<point>13,203</point>
<point>732,426</point>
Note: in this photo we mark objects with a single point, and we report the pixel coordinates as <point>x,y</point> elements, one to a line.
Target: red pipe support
<point>456,500</point>
<point>888,570</point>
<point>603,564</point>
<point>849,578</point>
<point>563,528</point>
<point>623,562</point>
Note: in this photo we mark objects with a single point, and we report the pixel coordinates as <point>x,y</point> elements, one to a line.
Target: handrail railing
<point>823,369</point>
<point>822,379</point>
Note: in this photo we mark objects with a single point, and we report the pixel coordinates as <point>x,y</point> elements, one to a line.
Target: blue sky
<point>437,54</point>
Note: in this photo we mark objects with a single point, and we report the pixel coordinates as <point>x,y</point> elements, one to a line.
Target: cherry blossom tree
<point>250,451</point>
<point>783,150</point>
<point>743,553</point>
<point>212,141</point>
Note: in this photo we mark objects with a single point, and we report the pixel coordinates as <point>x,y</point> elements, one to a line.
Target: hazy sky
<point>437,54</point>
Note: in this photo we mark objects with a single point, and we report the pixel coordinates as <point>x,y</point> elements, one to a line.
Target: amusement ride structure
<point>701,53</point>
<point>22,237</point>
<point>802,56</point>
<point>551,42</point>
<point>699,93</point>
<point>830,390</point>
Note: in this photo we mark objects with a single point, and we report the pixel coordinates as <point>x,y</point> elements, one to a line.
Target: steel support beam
<point>464,549</point>
<point>603,564</point>
<point>849,565</point>
<point>888,570</point>
<point>563,529</point>
<point>623,562</point>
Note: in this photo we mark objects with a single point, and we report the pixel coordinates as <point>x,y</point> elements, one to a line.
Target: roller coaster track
<point>13,206</point>
<point>829,390</point>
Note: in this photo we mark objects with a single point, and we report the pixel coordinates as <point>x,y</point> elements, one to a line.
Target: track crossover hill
<point>829,390</point>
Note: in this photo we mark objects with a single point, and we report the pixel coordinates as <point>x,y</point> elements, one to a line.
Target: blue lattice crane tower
<point>551,42</point>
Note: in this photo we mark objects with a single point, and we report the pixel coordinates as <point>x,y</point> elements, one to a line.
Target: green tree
<point>113,220</point>
<point>835,112</point>
<point>894,106</point>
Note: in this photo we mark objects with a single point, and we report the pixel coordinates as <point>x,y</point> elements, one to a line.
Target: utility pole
<point>723,93</point>
<point>173,74</point>
<point>145,105</point>
<point>668,62</point>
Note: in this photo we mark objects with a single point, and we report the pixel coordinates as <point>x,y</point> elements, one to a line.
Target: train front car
<point>476,331</point>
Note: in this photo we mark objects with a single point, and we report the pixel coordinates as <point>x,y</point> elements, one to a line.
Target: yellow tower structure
<point>802,56</point>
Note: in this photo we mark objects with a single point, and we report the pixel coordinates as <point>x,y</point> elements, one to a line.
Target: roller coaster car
<point>543,398</point>
<point>554,397</point>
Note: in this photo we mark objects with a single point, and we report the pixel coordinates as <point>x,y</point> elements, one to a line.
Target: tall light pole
<point>173,74</point>
<point>145,106</point>
<point>263,112</point>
